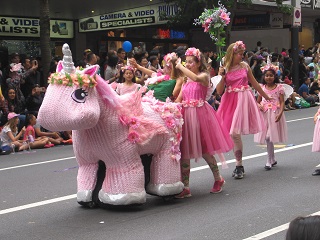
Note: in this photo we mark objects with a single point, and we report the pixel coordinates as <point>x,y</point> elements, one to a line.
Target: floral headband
<point>193,52</point>
<point>167,58</point>
<point>239,46</point>
<point>269,66</point>
<point>128,67</point>
<point>78,79</point>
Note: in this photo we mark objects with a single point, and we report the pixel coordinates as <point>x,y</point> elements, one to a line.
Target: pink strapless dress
<point>238,109</point>
<point>202,131</point>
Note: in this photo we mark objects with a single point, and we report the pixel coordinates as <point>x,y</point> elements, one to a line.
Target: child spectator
<point>9,135</point>
<point>29,135</point>
<point>304,228</point>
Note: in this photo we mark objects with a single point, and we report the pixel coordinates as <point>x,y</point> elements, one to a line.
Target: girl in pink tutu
<point>129,83</point>
<point>202,133</point>
<point>276,126</point>
<point>238,109</point>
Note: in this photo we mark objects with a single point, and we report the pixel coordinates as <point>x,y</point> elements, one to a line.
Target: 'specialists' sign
<point>136,17</point>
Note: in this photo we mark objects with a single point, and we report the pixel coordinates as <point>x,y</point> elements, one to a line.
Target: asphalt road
<point>37,199</point>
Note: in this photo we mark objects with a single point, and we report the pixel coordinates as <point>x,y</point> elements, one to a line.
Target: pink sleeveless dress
<point>238,109</point>
<point>275,131</point>
<point>316,136</point>
<point>202,131</point>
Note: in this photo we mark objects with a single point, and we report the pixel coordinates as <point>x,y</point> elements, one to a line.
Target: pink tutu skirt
<point>202,133</point>
<point>316,138</point>
<point>275,131</point>
<point>240,113</point>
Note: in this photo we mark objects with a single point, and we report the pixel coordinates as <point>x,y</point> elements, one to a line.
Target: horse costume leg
<point>124,184</point>
<point>165,173</point>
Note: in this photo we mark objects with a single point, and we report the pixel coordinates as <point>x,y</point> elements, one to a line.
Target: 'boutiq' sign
<point>30,27</point>
<point>143,16</point>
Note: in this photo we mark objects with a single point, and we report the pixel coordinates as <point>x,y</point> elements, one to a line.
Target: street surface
<point>38,200</point>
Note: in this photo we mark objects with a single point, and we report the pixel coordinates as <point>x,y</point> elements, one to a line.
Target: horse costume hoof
<point>165,189</point>
<point>123,199</point>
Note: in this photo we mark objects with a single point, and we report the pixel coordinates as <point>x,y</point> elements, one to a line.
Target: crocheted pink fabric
<point>117,130</point>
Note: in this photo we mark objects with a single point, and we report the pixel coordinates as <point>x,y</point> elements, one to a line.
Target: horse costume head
<point>71,101</point>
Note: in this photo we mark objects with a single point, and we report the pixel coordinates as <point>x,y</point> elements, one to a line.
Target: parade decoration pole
<point>214,22</point>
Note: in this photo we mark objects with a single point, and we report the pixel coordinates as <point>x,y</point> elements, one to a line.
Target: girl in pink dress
<point>202,133</point>
<point>129,84</point>
<point>276,126</point>
<point>238,109</point>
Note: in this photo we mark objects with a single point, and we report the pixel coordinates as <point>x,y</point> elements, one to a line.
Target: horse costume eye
<point>79,95</point>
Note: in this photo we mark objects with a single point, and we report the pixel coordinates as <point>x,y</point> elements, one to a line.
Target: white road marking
<point>256,155</point>
<point>37,163</point>
<point>273,231</point>
<point>299,119</point>
<point>37,204</point>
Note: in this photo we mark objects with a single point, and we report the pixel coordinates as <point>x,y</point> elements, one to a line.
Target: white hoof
<point>165,189</point>
<point>122,199</point>
<point>84,196</point>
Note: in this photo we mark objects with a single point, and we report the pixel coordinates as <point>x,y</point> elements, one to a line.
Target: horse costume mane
<point>117,130</point>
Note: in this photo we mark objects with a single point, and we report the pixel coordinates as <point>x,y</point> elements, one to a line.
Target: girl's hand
<point>133,62</point>
<point>221,71</point>
<point>178,63</point>
<point>278,117</point>
<point>260,106</point>
<point>23,129</point>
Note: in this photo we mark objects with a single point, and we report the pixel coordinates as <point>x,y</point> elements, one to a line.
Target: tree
<point>45,37</point>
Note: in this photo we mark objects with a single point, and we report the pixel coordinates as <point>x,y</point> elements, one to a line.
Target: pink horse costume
<point>117,130</point>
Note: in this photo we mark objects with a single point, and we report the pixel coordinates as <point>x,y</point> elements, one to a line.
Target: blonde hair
<point>228,58</point>
<point>12,124</point>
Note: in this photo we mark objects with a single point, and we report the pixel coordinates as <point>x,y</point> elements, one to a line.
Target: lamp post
<point>295,42</point>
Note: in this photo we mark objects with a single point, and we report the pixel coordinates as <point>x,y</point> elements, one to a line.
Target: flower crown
<point>128,67</point>
<point>239,46</point>
<point>193,52</point>
<point>269,66</point>
<point>78,79</point>
<point>167,58</point>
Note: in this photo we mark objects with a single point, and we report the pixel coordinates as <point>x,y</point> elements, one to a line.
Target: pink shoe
<point>217,186</point>
<point>184,194</point>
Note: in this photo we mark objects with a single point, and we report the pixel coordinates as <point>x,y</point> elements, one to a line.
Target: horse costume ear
<point>92,70</point>
<point>59,66</point>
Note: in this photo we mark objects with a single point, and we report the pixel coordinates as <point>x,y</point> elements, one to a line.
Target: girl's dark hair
<point>28,119</point>
<point>113,61</point>
<point>152,58</point>
<point>90,56</point>
<point>304,228</point>
<point>276,78</point>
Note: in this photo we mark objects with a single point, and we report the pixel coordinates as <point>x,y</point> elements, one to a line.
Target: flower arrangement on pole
<point>214,22</point>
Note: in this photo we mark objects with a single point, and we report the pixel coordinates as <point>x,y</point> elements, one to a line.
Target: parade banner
<point>30,27</point>
<point>136,17</point>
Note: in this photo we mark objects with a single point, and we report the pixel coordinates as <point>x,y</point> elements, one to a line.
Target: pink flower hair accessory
<point>167,58</point>
<point>239,46</point>
<point>128,67</point>
<point>269,66</point>
<point>193,52</point>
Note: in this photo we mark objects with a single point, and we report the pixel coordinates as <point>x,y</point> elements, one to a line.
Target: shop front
<point>22,35</point>
<point>143,27</point>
